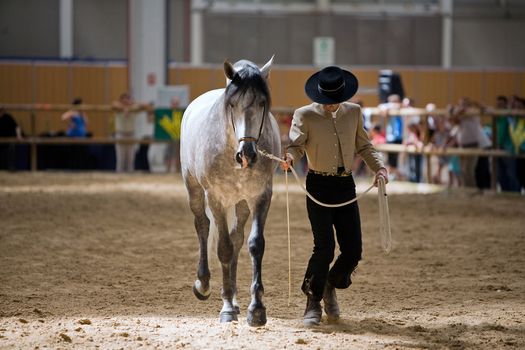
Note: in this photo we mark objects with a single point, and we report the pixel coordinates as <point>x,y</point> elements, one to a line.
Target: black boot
<point>331,307</point>
<point>313,312</point>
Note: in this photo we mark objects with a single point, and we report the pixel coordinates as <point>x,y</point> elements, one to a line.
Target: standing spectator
<point>517,133</point>
<point>76,120</point>
<point>394,131</point>
<point>454,168</point>
<point>466,116</point>
<point>8,128</point>
<point>413,136</point>
<point>126,111</point>
<point>440,137</point>
<point>506,166</point>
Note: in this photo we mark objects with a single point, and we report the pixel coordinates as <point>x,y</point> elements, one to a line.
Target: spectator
<point>466,116</point>
<point>377,136</point>
<point>126,111</point>
<point>76,120</point>
<point>438,141</point>
<point>506,166</point>
<point>517,133</point>
<point>414,159</point>
<point>8,129</point>
<point>413,136</point>
<point>454,168</point>
<point>394,131</point>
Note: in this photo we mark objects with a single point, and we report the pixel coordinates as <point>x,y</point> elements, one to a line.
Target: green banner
<point>167,123</point>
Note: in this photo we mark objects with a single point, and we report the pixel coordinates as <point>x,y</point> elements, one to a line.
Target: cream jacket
<point>315,133</point>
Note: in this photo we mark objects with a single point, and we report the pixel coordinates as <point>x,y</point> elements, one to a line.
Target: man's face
<point>331,108</point>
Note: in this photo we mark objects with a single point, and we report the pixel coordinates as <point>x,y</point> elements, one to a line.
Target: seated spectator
<point>8,129</point>
<point>76,120</point>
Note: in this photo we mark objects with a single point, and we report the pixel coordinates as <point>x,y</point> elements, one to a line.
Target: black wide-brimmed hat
<point>331,85</point>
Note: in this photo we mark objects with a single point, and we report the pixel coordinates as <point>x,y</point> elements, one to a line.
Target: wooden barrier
<point>389,148</point>
<point>33,142</point>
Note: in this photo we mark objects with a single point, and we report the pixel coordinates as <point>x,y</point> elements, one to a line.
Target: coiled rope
<point>384,227</point>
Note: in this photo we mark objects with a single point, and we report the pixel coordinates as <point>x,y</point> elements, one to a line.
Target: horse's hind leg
<point>201,288</point>
<point>257,311</point>
<point>242,212</point>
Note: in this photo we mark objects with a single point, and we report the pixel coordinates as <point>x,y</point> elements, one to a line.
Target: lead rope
<point>384,226</point>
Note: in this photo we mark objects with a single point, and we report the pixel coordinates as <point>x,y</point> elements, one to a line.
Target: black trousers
<point>346,222</point>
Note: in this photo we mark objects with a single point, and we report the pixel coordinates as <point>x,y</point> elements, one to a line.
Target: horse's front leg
<point>257,311</point>
<point>225,252</point>
<point>242,212</point>
<point>201,287</point>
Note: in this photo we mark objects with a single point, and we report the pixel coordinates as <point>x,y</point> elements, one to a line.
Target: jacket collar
<point>318,108</point>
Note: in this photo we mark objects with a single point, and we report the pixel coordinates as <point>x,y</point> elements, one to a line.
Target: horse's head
<point>247,103</point>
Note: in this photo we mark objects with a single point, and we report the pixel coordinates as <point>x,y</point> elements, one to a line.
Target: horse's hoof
<point>256,317</point>
<point>228,316</point>
<point>199,295</point>
<point>237,309</point>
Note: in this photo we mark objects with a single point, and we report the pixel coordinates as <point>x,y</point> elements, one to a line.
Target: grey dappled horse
<point>221,131</point>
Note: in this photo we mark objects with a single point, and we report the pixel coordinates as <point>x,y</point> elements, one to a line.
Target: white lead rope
<point>384,227</point>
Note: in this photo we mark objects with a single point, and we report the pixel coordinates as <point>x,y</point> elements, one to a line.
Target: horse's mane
<point>245,79</point>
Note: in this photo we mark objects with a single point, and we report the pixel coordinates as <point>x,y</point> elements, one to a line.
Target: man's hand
<point>288,161</point>
<point>383,173</point>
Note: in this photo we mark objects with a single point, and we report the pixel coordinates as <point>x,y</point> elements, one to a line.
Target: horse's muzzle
<point>246,156</point>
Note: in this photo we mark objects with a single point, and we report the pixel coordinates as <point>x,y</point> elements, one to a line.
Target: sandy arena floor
<point>108,261</point>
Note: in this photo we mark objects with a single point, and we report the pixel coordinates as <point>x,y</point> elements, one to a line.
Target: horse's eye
<point>262,103</point>
<point>232,105</point>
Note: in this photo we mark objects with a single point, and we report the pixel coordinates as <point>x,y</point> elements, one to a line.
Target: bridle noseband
<point>250,138</point>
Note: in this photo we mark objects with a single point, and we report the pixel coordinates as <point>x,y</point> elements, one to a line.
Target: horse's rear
<point>221,133</point>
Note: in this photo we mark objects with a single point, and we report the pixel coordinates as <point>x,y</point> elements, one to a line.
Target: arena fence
<point>34,141</point>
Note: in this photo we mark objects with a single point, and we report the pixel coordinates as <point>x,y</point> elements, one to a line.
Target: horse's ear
<point>265,70</point>
<point>228,70</point>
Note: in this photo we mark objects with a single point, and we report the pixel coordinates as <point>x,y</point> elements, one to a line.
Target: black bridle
<point>250,138</point>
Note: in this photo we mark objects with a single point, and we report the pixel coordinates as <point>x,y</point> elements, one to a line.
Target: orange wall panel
<point>466,84</point>
<point>89,84</point>
<point>499,83</point>
<point>432,87</point>
<point>117,80</point>
<point>17,83</point>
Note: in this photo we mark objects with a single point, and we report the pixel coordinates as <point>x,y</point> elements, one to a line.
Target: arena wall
<point>100,83</point>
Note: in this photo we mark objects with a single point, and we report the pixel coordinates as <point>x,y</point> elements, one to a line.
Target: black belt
<point>341,172</point>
